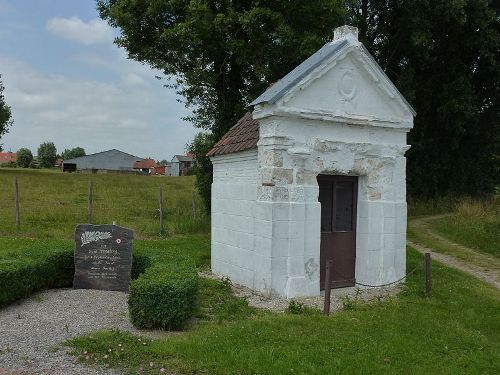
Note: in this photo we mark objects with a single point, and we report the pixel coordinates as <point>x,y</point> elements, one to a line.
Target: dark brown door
<point>338,198</point>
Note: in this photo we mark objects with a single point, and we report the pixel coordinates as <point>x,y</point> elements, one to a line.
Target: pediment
<point>348,87</point>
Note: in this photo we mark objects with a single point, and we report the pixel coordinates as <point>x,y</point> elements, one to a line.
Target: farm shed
<point>180,165</point>
<point>102,162</point>
<point>315,171</point>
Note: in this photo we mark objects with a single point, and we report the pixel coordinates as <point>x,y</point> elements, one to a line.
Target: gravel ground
<point>31,332</point>
<point>337,297</point>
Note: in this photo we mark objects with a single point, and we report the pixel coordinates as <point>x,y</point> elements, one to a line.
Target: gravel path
<point>31,332</point>
<point>484,266</point>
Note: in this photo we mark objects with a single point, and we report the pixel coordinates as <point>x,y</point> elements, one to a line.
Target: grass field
<point>52,203</point>
<point>475,224</point>
<point>456,330</point>
<point>470,231</point>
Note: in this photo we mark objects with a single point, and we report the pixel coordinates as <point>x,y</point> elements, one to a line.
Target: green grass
<point>470,232</point>
<point>455,330</point>
<point>419,207</point>
<point>53,203</point>
<point>196,246</point>
<point>24,249</point>
<point>473,224</point>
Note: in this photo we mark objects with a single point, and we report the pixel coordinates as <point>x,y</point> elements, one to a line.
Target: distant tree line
<point>46,156</point>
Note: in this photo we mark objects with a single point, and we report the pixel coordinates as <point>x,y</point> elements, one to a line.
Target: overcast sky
<point>67,83</point>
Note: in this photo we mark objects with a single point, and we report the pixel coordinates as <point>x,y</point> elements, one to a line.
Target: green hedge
<point>19,278</point>
<point>163,292</point>
<point>165,295</point>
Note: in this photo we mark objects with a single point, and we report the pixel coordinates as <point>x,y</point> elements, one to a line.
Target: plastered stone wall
<point>266,214</point>
<point>292,152</point>
<point>234,195</point>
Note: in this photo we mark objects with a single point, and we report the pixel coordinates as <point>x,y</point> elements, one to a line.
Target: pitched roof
<point>148,163</point>
<point>242,136</point>
<point>6,157</point>
<point>114,150</point>
<point>183,158</point>
<point>276,91</point>
<point>329,50</point>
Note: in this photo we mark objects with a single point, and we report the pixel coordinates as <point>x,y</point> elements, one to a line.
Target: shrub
<point>139,265</point>
<point>165,295</point>
<point>19,278</point>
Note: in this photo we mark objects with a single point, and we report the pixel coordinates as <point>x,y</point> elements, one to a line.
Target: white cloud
<point>93,32</point>
<point>135,114</point>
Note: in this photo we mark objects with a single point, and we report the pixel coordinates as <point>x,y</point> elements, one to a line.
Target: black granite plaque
<point>103,257</point>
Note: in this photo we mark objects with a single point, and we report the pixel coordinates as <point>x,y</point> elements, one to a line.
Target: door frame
<point>355,180</point>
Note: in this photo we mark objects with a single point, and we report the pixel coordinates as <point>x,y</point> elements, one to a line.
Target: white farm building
<point>316,171</point>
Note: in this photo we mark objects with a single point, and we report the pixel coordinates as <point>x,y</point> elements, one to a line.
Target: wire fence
<point>376,286</point>
<point>53,204</point>
<point>329,271</point>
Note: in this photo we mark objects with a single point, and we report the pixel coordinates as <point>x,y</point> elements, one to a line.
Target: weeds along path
<point>423,239</point>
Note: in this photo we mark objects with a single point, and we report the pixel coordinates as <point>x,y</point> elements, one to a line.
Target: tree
<point>222,53</point>
<point>24,157</point>
<point>444,58</point>
<point>73,153</point>
<point>47,155</point>
<point>5,114</point>
<point>201,144</point>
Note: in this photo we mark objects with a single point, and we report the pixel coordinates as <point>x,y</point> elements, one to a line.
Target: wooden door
<point>338,198</point>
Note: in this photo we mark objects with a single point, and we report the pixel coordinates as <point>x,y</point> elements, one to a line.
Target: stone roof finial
<point>344,31</point>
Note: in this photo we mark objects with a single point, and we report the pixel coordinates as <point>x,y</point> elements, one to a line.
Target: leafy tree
<point>73,153</point>
<point>5,114</point>
<point>47,155</point>
<point>201,144</point>
<point>444,57</point>
<point>24,157</point>
<point>222,53</point>
<point>163,162</point>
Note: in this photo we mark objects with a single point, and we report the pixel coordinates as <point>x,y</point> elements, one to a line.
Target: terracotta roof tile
<point>242,136</point>
<point>148,163</point>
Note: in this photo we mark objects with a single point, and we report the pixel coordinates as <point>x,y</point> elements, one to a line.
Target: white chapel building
<point>315,171</point>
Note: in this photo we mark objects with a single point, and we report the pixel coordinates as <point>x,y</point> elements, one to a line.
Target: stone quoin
<point>333,130</point>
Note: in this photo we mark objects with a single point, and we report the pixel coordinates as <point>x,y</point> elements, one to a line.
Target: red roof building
<point>146,165</point>
<point>8,157</point>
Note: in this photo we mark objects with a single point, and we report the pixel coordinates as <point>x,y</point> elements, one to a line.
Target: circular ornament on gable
<point>347,86</point>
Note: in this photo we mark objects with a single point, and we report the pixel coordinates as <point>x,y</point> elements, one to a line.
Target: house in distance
<point>315,172</point>
<point>102,162</point>
<point>181,165</point>
<point>146,166</point>
<point>8,157</point>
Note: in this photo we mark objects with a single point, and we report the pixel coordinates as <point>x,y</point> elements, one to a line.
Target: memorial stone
<point>103,257</point>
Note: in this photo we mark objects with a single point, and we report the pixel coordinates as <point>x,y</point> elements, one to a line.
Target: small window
<point>344,206</point>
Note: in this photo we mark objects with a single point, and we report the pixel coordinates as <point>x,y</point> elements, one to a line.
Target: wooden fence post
<point>16,199</point>
<point>89,206</point>
<point>328,287</point>
<point>194,205</point>
<point>160,204</point>
<point>428,276</point>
